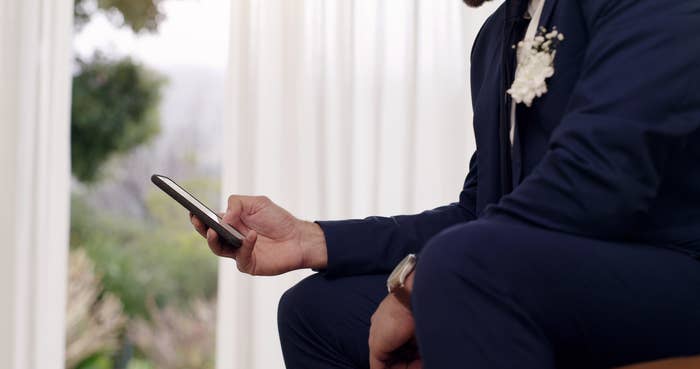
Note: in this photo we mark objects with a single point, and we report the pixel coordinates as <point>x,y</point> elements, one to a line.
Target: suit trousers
<point>491,295</point>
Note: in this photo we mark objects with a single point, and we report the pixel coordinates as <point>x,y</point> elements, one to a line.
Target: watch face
<point>393,282</point>
<point>398,275</point>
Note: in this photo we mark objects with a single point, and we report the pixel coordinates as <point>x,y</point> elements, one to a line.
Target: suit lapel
<point>515,25</point>
<point>547,12</point>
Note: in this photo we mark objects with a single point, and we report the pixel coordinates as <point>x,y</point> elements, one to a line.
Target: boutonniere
<point>535,65</point>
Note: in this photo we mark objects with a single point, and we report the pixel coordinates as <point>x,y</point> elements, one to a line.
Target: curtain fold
<point>35,70</point>
<point>338,109</point>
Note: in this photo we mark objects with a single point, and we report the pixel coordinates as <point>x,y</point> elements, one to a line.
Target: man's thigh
<point>595,303</point>
<point>324,323</point>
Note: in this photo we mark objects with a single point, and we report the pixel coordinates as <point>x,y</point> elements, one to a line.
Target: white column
<point>35,76</point>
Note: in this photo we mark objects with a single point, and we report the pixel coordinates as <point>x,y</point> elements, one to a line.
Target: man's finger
<point>416,364</point>
<point>199,226</point>
<point>234,211</point>
<point>375,363</point>
<point>375,357</point>
<point>244,255</point>
<point>216,246</point>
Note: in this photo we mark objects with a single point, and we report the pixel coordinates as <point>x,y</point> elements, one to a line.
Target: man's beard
<point>475,3</point>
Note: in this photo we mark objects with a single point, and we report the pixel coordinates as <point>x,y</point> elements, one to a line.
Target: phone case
<point>225,235</point>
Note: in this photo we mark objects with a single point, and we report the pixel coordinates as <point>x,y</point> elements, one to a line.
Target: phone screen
<point>212,215</point>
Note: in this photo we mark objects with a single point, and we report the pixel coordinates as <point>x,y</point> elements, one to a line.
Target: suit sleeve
<point>635,104</point>
<point>377,244</point>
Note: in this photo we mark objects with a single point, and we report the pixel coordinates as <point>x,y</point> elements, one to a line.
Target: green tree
<point>115,108</point>
<point>115,101</point>
<point>139,15</point>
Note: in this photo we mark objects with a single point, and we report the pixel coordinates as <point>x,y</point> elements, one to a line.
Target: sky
<point>195,33</point>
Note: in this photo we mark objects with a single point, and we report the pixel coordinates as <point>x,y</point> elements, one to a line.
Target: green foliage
<point>139,15</point>
<point>139,364</point>
<point>99,361</point>
<point>161,259</point>
<point>115,102</point>
<point>115,109</point>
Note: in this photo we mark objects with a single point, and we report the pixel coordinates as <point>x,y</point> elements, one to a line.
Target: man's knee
<point>476,254</point>
<point>297,317</point>
<point>464,245</point>
<point>297,306</point>
<point>323,320</point>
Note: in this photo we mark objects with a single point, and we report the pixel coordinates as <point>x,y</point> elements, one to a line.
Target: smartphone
<point>226,233</point>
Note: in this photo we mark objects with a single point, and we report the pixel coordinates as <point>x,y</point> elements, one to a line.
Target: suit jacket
<point>611,152</point>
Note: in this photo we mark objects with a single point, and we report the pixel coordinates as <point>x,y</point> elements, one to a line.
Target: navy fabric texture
<point>610,152</point>
<point>492,297</point>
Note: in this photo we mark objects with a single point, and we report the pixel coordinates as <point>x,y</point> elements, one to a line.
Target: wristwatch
<point>397,279</point>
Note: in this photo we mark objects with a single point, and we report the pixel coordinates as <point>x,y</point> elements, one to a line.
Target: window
<point>148,90</point>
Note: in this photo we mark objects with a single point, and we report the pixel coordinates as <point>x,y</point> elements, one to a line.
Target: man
<point>574,243</point>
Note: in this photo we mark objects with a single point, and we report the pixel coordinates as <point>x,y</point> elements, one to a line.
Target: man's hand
<point>276,241</point>
<point>392,341</point>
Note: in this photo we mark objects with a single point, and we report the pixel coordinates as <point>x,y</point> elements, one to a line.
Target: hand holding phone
<point>212,220</point>
<point>275,241</point>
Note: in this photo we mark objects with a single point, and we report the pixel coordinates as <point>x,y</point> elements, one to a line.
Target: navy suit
<point>576,246</point>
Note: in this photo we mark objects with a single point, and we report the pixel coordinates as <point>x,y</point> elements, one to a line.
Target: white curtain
<point>35,76</point>
<point>339,109</point>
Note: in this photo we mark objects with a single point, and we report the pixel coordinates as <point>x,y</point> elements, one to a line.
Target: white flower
<point>530,78</point>
<point>535,65</point>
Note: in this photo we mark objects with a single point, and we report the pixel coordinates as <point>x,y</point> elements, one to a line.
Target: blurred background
<point>332,108</point>
<point>147,97</point>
